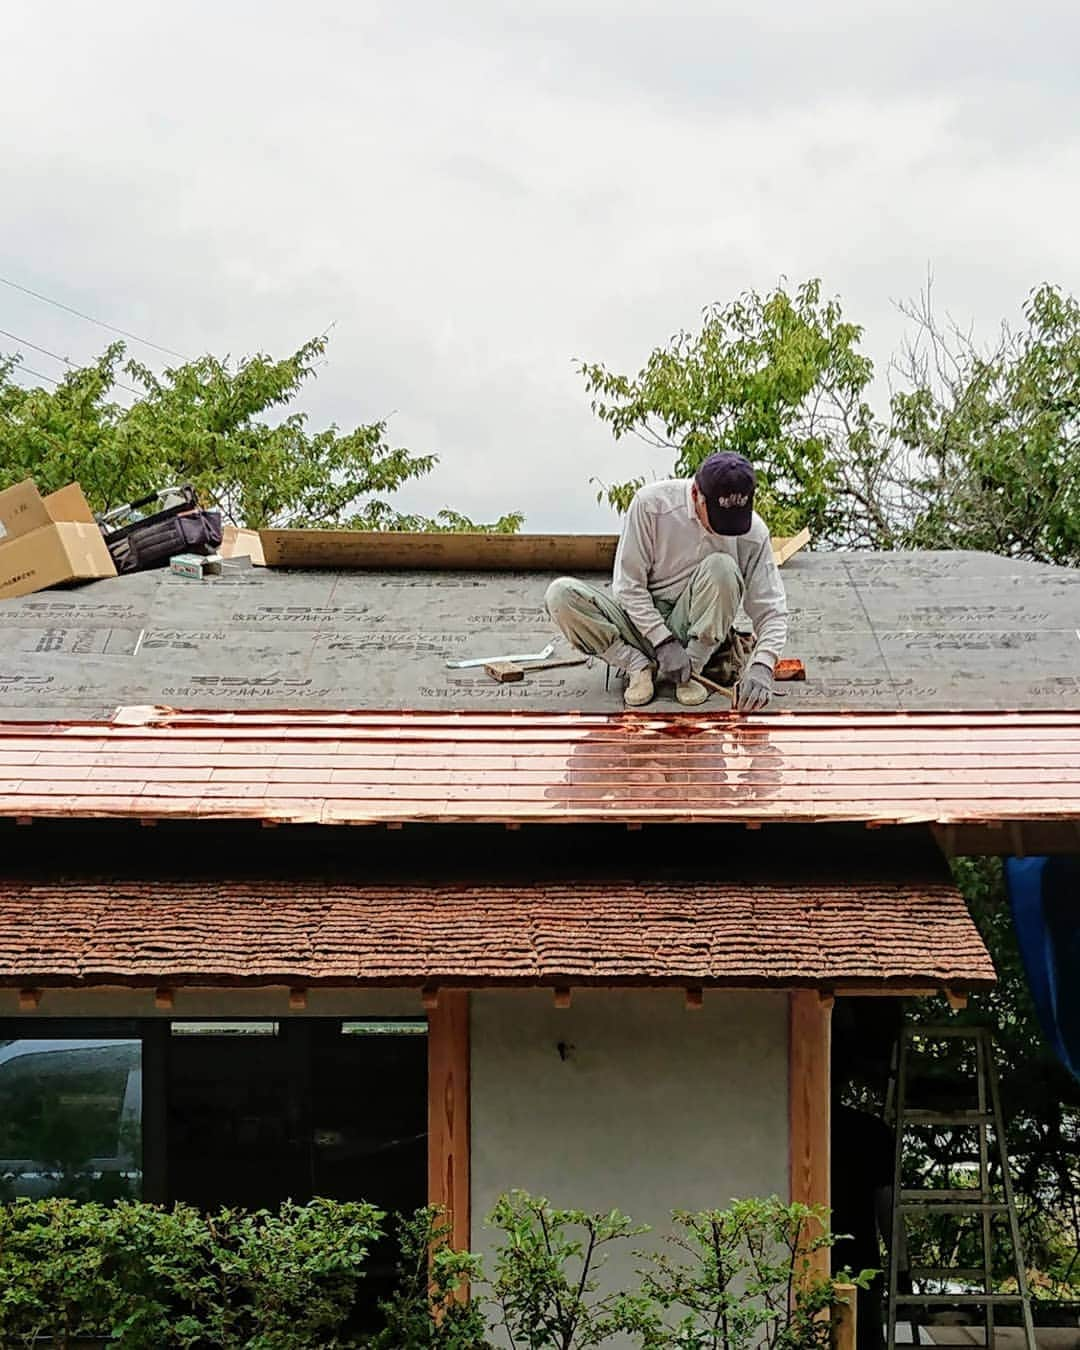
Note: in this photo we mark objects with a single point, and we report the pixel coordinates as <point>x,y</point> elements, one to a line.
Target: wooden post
<point>809,1050</point>
<point>448,1111</point>
<point>844,1318</point>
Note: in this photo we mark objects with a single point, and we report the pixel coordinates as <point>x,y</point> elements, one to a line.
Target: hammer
<point>506,672</point>
<point>716,688</point>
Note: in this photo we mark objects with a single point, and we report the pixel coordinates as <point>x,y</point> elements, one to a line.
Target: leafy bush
<point>147,1278</point>
<point>152,1278</point>
<point>546,1275</point>
<point>743,1277</point>
<point>430,1308</point>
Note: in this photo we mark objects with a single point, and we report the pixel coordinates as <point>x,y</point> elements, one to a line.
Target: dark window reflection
<point>71,1118</point>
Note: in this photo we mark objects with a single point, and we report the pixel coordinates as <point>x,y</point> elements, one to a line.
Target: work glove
<point>673,661</point>
<point>755,688</point>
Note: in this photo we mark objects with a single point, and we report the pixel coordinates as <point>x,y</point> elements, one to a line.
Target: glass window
<point>71,1118</point>
<point>219,1028</point>
<point>384,1027</point>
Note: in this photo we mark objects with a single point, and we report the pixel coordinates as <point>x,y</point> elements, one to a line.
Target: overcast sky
<point>476,194</point>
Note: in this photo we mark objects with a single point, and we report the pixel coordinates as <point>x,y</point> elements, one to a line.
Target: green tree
<point>778,378</point>
<point>224,427</point>
<point>976,448</point>
<point>983,447</point>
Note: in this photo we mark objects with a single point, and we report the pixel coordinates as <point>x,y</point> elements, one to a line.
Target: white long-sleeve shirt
<point>662,543</point>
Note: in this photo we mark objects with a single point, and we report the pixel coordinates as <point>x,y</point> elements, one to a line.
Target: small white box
<point>194,566</point>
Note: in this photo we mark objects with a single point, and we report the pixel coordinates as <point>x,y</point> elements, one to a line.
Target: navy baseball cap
<point>726,481</point>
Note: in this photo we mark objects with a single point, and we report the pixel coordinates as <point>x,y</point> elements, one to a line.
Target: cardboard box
<point>240,543</point>
<point>45,541</point>
<point>23,509</point>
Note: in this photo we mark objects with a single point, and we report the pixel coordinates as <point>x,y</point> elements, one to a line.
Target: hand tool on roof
<point>723,689</point>
<point>789,669</point>
<point>506,672</point>
<point>711,684</point>
<point>549,650</point>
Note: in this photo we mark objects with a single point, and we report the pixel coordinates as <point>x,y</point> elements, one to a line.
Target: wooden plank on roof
<point>391,550</point>
<point>394,550</point>
<point>785,548</point>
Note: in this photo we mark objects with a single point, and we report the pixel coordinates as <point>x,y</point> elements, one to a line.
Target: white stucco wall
<point>656,1107</point>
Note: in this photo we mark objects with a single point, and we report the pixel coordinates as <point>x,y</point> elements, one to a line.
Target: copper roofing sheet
<point>154,931</point>
<point>524,767</point>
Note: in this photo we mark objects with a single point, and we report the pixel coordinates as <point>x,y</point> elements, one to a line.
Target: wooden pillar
<point>448,1111</point>
<point>809,1090</point>
<point>844,1328</point>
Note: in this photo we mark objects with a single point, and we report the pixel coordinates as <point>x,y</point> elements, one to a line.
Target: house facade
<point>349,922</point>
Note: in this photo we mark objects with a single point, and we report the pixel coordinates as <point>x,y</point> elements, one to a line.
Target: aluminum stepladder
<point>984,1117</point>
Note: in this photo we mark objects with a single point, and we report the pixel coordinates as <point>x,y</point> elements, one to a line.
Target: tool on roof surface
<point>182,497</point>
<point>175,524</point>
<point>789,668</point>
<point>716,688</point>
<point>549,650</point>
<point>506,672</point>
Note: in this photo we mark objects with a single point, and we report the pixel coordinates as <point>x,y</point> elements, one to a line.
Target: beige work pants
<point>701,618</point>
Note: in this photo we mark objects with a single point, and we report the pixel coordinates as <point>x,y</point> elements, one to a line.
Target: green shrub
<point>742,1277</point>
<point>153,1279</point>
<point>429,1308</point>
<point>546,1287</point>
<point>147,1278</point>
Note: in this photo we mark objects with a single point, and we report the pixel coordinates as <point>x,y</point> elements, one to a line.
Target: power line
<point>25,342</point>
<point>90,319</point>
<point>37,374</point>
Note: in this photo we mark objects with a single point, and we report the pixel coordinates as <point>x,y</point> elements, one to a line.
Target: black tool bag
<point>152,541</point>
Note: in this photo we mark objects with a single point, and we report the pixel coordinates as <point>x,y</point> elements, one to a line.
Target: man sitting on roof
<point>692,553</point>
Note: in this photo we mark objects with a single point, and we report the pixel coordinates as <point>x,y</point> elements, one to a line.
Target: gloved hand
<point>755,688</point>
<point>673,661</point>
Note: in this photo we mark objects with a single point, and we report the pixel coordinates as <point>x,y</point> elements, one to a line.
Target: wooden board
<point>389,549</point>
<point>809,1050</point>
<point>448,1111</point>
<point>784,548</point>
<point>374,550</point>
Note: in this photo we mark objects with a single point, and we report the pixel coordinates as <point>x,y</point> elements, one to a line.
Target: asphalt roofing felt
<point>904,632</point>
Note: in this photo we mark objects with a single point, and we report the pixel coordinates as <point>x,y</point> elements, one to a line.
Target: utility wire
<point>25,342</point>
<point>90,318</point>
<point>37,374</point>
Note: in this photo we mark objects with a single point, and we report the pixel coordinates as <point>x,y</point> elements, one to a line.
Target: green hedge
<point>148,1278</point>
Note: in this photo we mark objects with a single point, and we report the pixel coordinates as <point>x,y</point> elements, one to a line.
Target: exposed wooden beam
<point>695,997</point>
<point>888,991</point>
<point>429,997</point>
<point>809,1048</point>
<point>562,997</point>
<point>164,999</point>
<point>957,1001</point>
<point>29,999</point>
<point>448,1112</point>
<point>298,999</point>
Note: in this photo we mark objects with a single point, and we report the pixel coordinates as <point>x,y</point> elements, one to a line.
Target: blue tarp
<point>1045,897</point>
